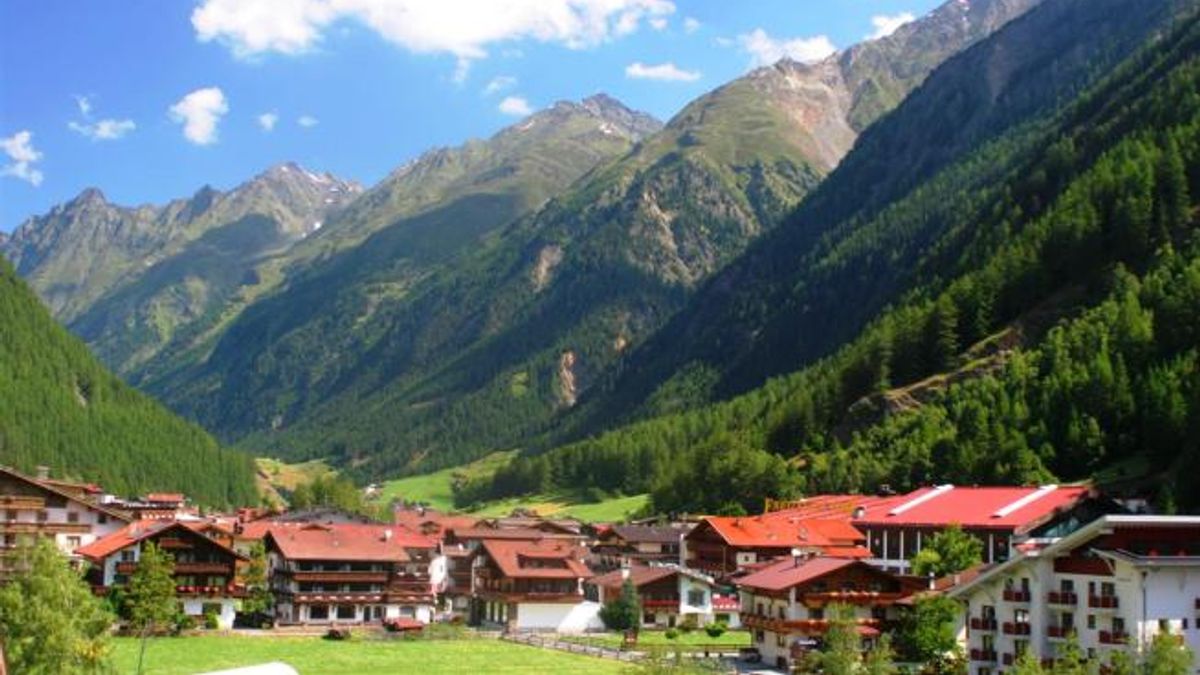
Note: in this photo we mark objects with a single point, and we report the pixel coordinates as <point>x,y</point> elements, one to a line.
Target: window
<point>1164,625</point>
<point>987,612</point>
<point>1067,585</point>
<point>10,515</point>
<point>1091,622</point>
<point>211,608</point>
<point>1067,621</point>
<point>318,612</point>
<point>74,542</point>
<point>72,516</point>
<point>345,612</point>
<point>759,636</point>
<point>782,612</point>
<point>1108,589</point>
<point>1020,647</point>
<point>127,555</point>
<point>696,597</point>
<point>816,613</point>
<point>989,642</point>
<point>780,640</point>
<point>102,519</point>
<point>647,617</point>
<point>1021,616</point>
<point>759,607</point>
<point>1118,624</point>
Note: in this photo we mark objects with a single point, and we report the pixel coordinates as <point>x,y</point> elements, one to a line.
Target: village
<point>1055,564</point>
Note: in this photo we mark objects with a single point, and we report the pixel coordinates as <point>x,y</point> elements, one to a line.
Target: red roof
<point>785,573</point>
<point>346,541</point>
<point>1006,508</point>
<point>783,530</point>
<point>484,533</point>
<point>137,531</point>
<point>432,521</point>
<point>513,558</point>
<point>164,497</point>
<point>639,574</point>
<point>49,486</point>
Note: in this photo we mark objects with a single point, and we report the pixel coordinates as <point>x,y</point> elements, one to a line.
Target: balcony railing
<point>982,624</point>
<point>1015,595</point>
<point>660,603</point>
<point>203,568</point>
<point>1118,637</point>
<point>1062,598</point>
<point>1059,632</point>
<point>1013,628</point>
<point>342,577</point>
<point>1104,602</point>
<point>983,655</point>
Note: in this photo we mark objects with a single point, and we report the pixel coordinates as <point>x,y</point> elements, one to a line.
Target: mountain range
<point>776,272</point>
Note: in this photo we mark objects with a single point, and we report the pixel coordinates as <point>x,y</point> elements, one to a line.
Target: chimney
<point>859,512</point>
<point>43,472</point>
<point>387,535</point>
<point>797,556</point>
<point>624,569</point>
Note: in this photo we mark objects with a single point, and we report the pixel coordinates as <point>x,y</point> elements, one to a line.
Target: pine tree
<point>625,611</point>
<point>151,597</point>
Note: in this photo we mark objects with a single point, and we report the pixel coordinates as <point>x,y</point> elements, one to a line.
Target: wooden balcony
<point>1113,637</point>
<point>342,577</point>
<point>1066,598</point>
<point>225,568</point>
<point>1104,602</point>
<point>983,625</point>
<point>804,626</point>
<point>1016,595</point>
<point>1059,632</point>
<point>22,502</point>
<point>850,598</point>
<point>1013,628</point>
<point>336,598</point>
<point>227,591</point>
<point>983,655</point>
<point>660,603</point>
<point>173,543</point>
<point>43,527</point>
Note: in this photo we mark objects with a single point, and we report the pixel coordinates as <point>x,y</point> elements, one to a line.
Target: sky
<point>149,100</point>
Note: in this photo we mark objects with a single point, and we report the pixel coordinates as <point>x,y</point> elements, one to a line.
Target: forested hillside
<point>1035,297</point>
<point>61,408</point>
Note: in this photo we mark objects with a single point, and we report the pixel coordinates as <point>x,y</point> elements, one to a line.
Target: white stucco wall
<point>561,618</point>
<point>195,607</point>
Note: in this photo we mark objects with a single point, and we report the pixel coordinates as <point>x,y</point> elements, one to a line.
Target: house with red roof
<point>670,595</point>
<point>205,569</point>
<point>721,545</point>
<point>785,603</point>
<point>619,545</point>
<point>39,507</point>
<point>1000,517</point>
<point>352,573</point>
<point>523,585</point>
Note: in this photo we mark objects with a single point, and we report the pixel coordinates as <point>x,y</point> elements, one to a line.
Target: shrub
<point>671,634</point>
<point>716,630</point>
<point>211,621</point>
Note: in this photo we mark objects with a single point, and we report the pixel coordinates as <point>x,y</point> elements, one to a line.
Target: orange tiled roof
<point>347,541</point>
<point>511,556</point>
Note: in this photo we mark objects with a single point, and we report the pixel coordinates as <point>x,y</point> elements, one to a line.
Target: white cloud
<point>462,28</point>
<point>267,121</point>
<point>499,83</point>
<point>307,121</point>
<point>200,112</point>
<point>658,23</point>
<point>22,157</point>
<point>462,68</point>
<point>691,25</point>
<point>886,25</point>
<point>666,72</point>
<point>108,129</point>
<point>765,50</point>
<point>103,130</point>
<point>515,105</point>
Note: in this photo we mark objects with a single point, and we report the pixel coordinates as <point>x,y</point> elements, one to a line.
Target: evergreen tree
<point>623,612</point>
<point>258,591</point>
<point>50,621</point>
<point>151,597</point>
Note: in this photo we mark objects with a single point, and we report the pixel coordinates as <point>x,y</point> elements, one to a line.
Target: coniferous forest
<point>61,408</point>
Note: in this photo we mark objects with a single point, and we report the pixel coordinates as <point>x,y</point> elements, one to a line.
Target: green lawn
<point>434,488</point>
<point>609,510</point>
<point>316,656</point>
<point>696,640</point>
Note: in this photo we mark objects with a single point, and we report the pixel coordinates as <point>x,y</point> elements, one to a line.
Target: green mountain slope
<point>392,370</point>
<point>59,407</point>
<point>859,243</point>
<point>131,280</point>
<point>1045,327</point>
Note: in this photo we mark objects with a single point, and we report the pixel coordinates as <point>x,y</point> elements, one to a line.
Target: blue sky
<point>151,99</point>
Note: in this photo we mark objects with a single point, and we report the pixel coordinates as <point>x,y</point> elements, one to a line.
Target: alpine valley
<point>964,252</point>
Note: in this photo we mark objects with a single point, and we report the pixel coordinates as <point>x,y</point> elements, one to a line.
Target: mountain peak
<point>89,196</point>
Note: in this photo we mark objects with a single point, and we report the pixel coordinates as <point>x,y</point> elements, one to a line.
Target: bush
<point>338,634</point>
<point>211,621</point>
<point>671,634</point>
<point>184,622</point>
<point>716,630</point>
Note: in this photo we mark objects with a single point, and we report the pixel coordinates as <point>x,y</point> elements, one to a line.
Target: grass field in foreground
<point>315,656</point>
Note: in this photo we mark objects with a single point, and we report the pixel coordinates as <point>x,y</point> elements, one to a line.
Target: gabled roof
<point>483,533</point>
<point>786,573</point>
<point>510,557</point>
<point>165,497</point>
<point>648,534</point>
<point>346,541</point>
<point>1081,537</point>
<point>432,521</point>
<point>49,486</point>
<point>640,575</point>
<point>139,530</point>
<point>781,530</point>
